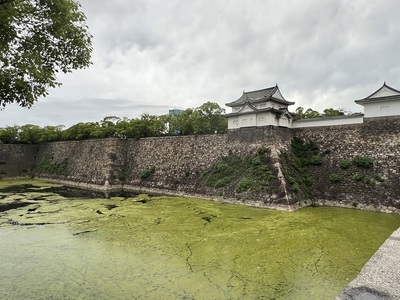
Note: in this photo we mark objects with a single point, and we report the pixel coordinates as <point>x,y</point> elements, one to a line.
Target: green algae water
<point>57,247</point>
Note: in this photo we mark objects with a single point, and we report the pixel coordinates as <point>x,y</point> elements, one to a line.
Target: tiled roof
<point>373,98</point>
<point>258,96</point>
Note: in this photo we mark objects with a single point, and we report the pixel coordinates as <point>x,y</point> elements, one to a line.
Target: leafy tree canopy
<point>300,113</point>
<point>38,39</point>
<point>205,119</point>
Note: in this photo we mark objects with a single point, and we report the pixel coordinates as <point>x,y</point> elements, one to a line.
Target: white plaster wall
<point>233,123</point>
<point>382,109</point>
<point>266,118</point>
<point>327,122</point>
<point>285,122</point>
<point>248,120</point>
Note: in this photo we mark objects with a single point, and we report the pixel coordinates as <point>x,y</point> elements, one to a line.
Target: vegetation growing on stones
<point>251,173</point>
<point>358,177</point>
<point>296,163</point>
<point>147,172</point>
<point>122,174</point>
<point>358,170</point>
<point>378,177</point>
<point>335,178</point>
<point>363,162</point>
<point>49,166</point>
<point>345,164</point>
<point>316,160</point>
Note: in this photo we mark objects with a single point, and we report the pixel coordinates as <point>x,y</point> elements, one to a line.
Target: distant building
<point>175,112</point>
<point>382,103</point>
<point>260,108</point>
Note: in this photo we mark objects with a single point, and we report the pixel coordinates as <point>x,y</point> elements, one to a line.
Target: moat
<point>57,244</point>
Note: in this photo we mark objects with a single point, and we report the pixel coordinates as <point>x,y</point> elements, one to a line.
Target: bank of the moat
<point>351,165</point>
<point>62,244</point>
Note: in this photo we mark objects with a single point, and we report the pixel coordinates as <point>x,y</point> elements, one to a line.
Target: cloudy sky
<point>154,55</point>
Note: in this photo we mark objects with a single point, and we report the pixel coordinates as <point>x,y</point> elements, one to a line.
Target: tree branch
<point>5,1</point>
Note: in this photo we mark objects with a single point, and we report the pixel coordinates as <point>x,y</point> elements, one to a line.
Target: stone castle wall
<point>376,139</point>
<point>89,162</point>
<point>179,161</point>
<point>17,160</point>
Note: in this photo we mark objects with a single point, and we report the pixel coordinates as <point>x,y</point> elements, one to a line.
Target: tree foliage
<point>38,39</point>
<point>206,119</point>
<point>300,113</point>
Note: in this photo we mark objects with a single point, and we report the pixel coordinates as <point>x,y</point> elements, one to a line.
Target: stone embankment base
<point>380,277</point>
<point>107,188</point>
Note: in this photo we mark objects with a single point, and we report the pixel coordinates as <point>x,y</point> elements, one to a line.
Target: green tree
<point>153,125</point>
<point>83,131</point>
<point>9,134</point>
<point>331,112</point>
<point>30,134</point>
<point>38,39</point>
<point>212,118</point>
<point>108,127</point>
<point>310,113</point>
<point>51,133</point>
<point>299,113</point>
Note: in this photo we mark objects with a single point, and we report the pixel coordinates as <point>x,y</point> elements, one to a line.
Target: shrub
<point>369,181</point>
<point>363,162</point>
<point>223,182</point>
<point>146,173</point>
<point>345,164</point>
<point>358,177</point>
<point>316,160</point>
<point>220,166</point>
<point>262,150</point>
<point>49,166</point>
<point>122,174</point>
<point>335,178</point>
<point>378,177</point>
<point>243,185</point>
<point>327,152</point>
<point>256,161</point>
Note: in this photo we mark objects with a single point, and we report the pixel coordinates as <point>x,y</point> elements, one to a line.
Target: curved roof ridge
<point>261,94</point>
<point>383,86</point>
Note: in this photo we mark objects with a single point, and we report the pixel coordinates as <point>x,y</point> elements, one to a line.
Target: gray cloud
<point>168,54</point>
